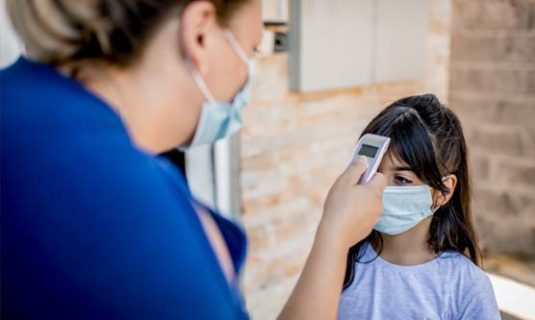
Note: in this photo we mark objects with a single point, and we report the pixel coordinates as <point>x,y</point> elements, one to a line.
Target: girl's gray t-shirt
<point>447,287</point>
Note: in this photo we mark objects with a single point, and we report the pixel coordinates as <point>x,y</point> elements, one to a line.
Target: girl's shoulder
<point>471,284</point>
<point>462,267</point>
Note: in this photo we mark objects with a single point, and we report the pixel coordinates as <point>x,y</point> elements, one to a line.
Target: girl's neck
<point>408,248</point>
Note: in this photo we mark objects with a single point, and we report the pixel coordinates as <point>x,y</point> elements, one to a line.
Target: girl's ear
<point>441,199</point>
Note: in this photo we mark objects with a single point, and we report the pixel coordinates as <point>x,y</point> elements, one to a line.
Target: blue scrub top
<point>93,227</point>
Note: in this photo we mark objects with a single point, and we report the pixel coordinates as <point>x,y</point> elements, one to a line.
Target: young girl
<point>422,259</point>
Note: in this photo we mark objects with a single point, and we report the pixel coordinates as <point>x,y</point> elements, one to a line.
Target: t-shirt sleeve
<point>480,301</point>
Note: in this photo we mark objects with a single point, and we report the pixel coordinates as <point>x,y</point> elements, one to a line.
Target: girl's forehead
<point>393,160</point>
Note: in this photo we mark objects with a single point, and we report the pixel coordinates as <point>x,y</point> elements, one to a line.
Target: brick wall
<point>294,146</point>
<point>493,91</point>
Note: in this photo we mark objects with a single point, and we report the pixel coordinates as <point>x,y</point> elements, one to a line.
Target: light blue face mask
<point>221,119</point>
<point>404,208</point>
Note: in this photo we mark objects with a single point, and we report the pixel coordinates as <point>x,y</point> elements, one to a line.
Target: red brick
<point>479,108</point>
<point>516,174</point>
<point>499,235</point>
<point>494,47</point>
<point>501,203</point>
<point>492,14</point>
<point>530,90</point>
<point>489,81</point>
<point>480,168</point>
<point>488,142</point>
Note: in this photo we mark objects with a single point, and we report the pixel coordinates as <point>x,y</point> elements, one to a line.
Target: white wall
<point>349,43</point>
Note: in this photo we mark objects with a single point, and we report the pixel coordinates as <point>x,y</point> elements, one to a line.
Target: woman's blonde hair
<point>114,31</point>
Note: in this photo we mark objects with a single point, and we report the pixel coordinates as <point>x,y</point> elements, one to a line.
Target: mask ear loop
<point>199,81</point>
<point>236,46</point>
<point>202,85</point>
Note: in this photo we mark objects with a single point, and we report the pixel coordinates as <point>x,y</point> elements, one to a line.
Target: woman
<point>94,225</point>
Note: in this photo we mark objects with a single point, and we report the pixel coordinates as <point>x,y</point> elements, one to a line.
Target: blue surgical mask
<point>404,208</point>
<point>221,119</point>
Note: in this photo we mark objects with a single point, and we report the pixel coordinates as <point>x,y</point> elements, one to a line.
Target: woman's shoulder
<point>53,128</point>
<point>64,145</point>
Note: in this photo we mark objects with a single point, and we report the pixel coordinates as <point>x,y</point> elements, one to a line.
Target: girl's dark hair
<point>428,137</point>
<point>114,31</point>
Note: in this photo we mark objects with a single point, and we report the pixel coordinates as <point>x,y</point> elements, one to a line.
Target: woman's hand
<point>350,212</point>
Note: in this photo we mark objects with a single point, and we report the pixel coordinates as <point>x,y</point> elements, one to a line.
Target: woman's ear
<point>450,181</point>
<point>197,22</point>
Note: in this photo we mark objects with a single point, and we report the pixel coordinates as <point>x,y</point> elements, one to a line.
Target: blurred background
<point>347,60</point>
<point>326,68</point>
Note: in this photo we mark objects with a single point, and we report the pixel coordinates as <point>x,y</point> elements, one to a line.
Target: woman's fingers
<point>378,182</point>
<point>354,171</point>
<point>351,209</point>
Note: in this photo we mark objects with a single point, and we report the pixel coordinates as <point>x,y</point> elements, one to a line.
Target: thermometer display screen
<point>368,151</point>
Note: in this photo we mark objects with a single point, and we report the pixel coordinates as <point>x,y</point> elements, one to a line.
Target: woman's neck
<point>408,248</point>
<point>158,114</point>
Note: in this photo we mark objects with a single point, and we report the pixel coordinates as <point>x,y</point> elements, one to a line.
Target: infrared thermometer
<point>373,147</point>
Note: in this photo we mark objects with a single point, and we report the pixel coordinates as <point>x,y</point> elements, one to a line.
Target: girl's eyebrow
<point>401,168</point>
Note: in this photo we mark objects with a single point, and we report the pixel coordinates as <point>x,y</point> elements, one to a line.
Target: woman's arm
<point>350,212</point>
<point>317,292</point>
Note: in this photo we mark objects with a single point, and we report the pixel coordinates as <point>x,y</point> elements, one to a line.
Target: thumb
<point>355,170</point>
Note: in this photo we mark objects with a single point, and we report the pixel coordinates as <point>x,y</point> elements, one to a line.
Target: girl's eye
<point>399,180</point>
